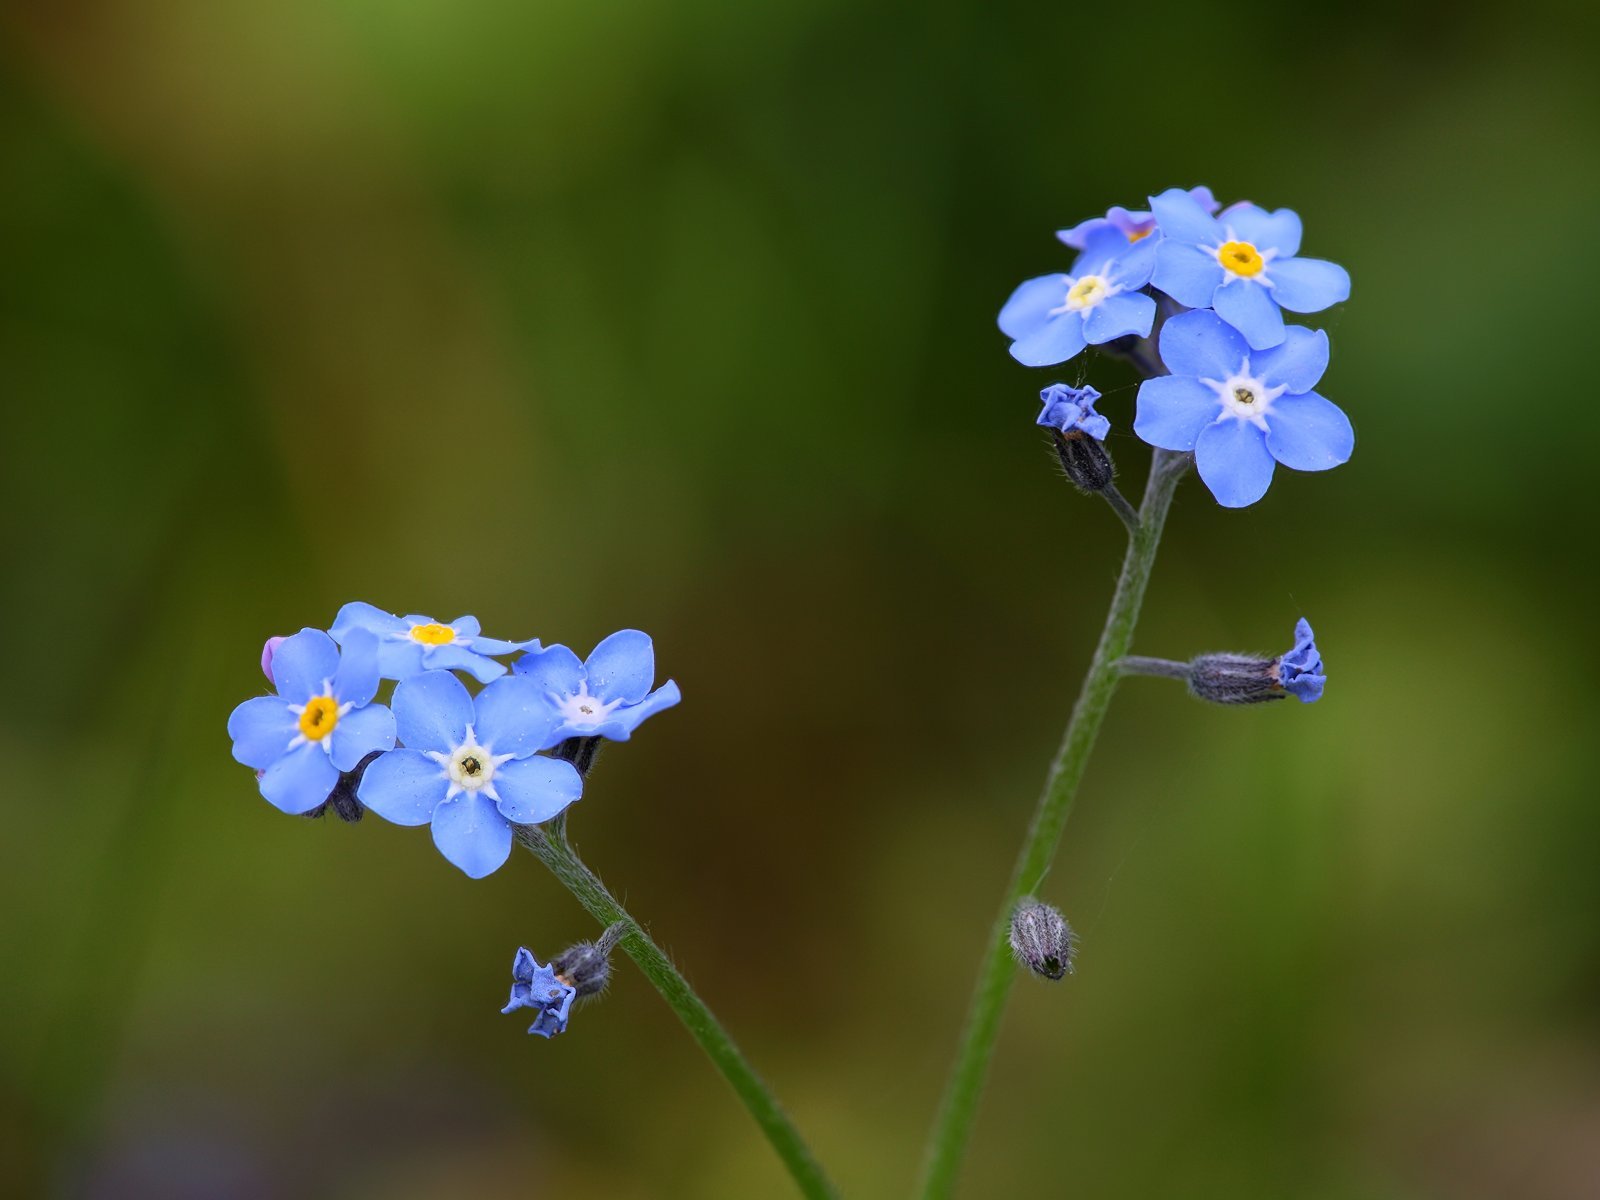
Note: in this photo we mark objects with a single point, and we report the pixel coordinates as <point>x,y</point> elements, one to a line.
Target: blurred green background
<point>579,316</point>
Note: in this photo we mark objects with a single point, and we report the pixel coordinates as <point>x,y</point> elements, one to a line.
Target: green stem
<point>549,844</point>
<point>953,1126</point>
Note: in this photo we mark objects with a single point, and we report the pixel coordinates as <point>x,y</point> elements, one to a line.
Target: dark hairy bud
<point>1084,460</point>
<point>1235,679</point>
<point>586,967</point>
<point>1041,939</point>
<point>580,752</point>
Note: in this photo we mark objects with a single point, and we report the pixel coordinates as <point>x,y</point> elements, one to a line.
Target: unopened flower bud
<point>1041,939</point>
<point>586,967</point>
<point>1246,679</point>
<point>267,651</point>
<point>1078,432</point>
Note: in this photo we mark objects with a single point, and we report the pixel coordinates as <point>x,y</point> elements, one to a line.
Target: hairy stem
<point>549,844</point>
<point>953,1126</point>
<point>1137,664</point>
<point>1120,506</point>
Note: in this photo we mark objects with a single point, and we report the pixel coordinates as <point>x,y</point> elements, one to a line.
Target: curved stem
<point>953,1125</point>
<point>550,846</point>
<point>1137,664</point>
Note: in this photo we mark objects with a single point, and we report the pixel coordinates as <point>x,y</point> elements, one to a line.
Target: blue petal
<point>1121,315</point>
<point>261,730</point>
<point>399,658</point>
<point>532,790</point>
<point>513,716</point>
<point>1029,306</point>
<point>432,711</point>
<point>1232,458</point>
<point>303,664</point>
<point>356,681</point>
<point>472,834</point>
<point>358,615</point>
<point>1278,231</point>
<point>300,780</point>
<point>619,726</point>
<point>1297,364</point>
<point>1309,433</point>
<point>523,965</point>
<point>1182,219</point>
<point>622,667</point>
<point>451,657</point>
<point>1202,344</point>
<point>484,645</point>
<point>466,627</point>
<point>1173,409</point>
<point>1136,264</point>
<point>521,997</point>
<point>1057,340</point>
<point>1306,285</point>
<point>404,786</point>
<point>360,732</point>
<point>1250,309</point>
<point>1080,234</point>
<point>1187,274</point>
<point>555,669</point>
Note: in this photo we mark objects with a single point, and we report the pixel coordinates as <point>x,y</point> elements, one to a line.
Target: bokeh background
<point>579,316</point>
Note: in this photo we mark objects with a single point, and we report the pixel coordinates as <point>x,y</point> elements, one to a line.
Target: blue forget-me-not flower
<point>322,721</point>
<point>539,987</point>
<point>1133,225</point>
<point>1242,264</point>
<point>1300,671</point>
<point>1053,317</point>
<point>606,695</point>
<point>410,645</point>
<point>1240,410</point>
<point>469,768</point>
<point>1069,408</point>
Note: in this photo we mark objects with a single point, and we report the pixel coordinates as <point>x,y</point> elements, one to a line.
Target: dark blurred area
<point>579,316</point>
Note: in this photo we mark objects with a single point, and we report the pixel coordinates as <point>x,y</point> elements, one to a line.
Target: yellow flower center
<point>1140,234</point>
<point>1085,292</point>
<point>1241,258</point>
<point>433,634</point>
<point>320,716</point>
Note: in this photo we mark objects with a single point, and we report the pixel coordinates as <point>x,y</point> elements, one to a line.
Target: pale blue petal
<point>1173,409</point>
<point>358,615</point>
<point>1135,265</point>
<point>1306,285</point>
<point>472,834</point>
<point>356,680</point>
<point>360,732</point>
<point>303,665</point>
<point>1182,219</point>
<point>1123,314</point>
<point>1202,344</point>
<point>1297,364</point>
<point>555,668</point>
<point>466,627</point>
<point>1250,309</point>
<point>261,730</point>
<point>522,966</point>
<point>1232,458</point>
<point>1186,273</point>
<point>1059,339</point>
<point>622,667</point>
<point>451,657</point>
<point>619,726</point>
<point>432,711</point>
<point>300,780</point>
<point>404,786</point>
<point>399,658</point>
<point>1030,305</point>
<point>514,716</point>
<point>485,645</point>
<point>1309,432</point>
<point>532,790</point>
<point>1278,231</point>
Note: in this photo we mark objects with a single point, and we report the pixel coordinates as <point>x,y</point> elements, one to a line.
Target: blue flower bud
<point>1041,939</point>
<point>1246,679</point>
<point>1078,431</point>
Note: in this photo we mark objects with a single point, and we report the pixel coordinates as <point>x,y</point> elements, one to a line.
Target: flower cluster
<point>1239,392</point>
<point>469,766</point>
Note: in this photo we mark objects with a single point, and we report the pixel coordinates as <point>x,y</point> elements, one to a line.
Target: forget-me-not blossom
<point>410,645</point>
<point>1134,225</point>
<point>1053,317</point>
<point>1243,264</point>
<point>1241,410</point>
<point>322,721</point>
<point>1300,671</point>
<point>606,695</point>
<point>1069,409</point>
<point>468,767</point>
<point>539,987</point>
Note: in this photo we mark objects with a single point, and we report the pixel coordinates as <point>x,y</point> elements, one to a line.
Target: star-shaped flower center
<point>317,718</point>
<point>1087,292</point>
<point>1245,396</point>
<point>582,709</point>
<point>470,767</point>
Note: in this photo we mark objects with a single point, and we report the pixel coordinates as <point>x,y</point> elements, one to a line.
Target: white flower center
<point>1244,396</point>
<point>582,709</point>
<point>1087,292</point>
<point>470,767</point>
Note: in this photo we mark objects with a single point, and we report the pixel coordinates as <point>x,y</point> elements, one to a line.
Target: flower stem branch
<point>550,846</point>
<point>953,1125</point>
<point>1119,505</point>
<point>1135,664</point>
